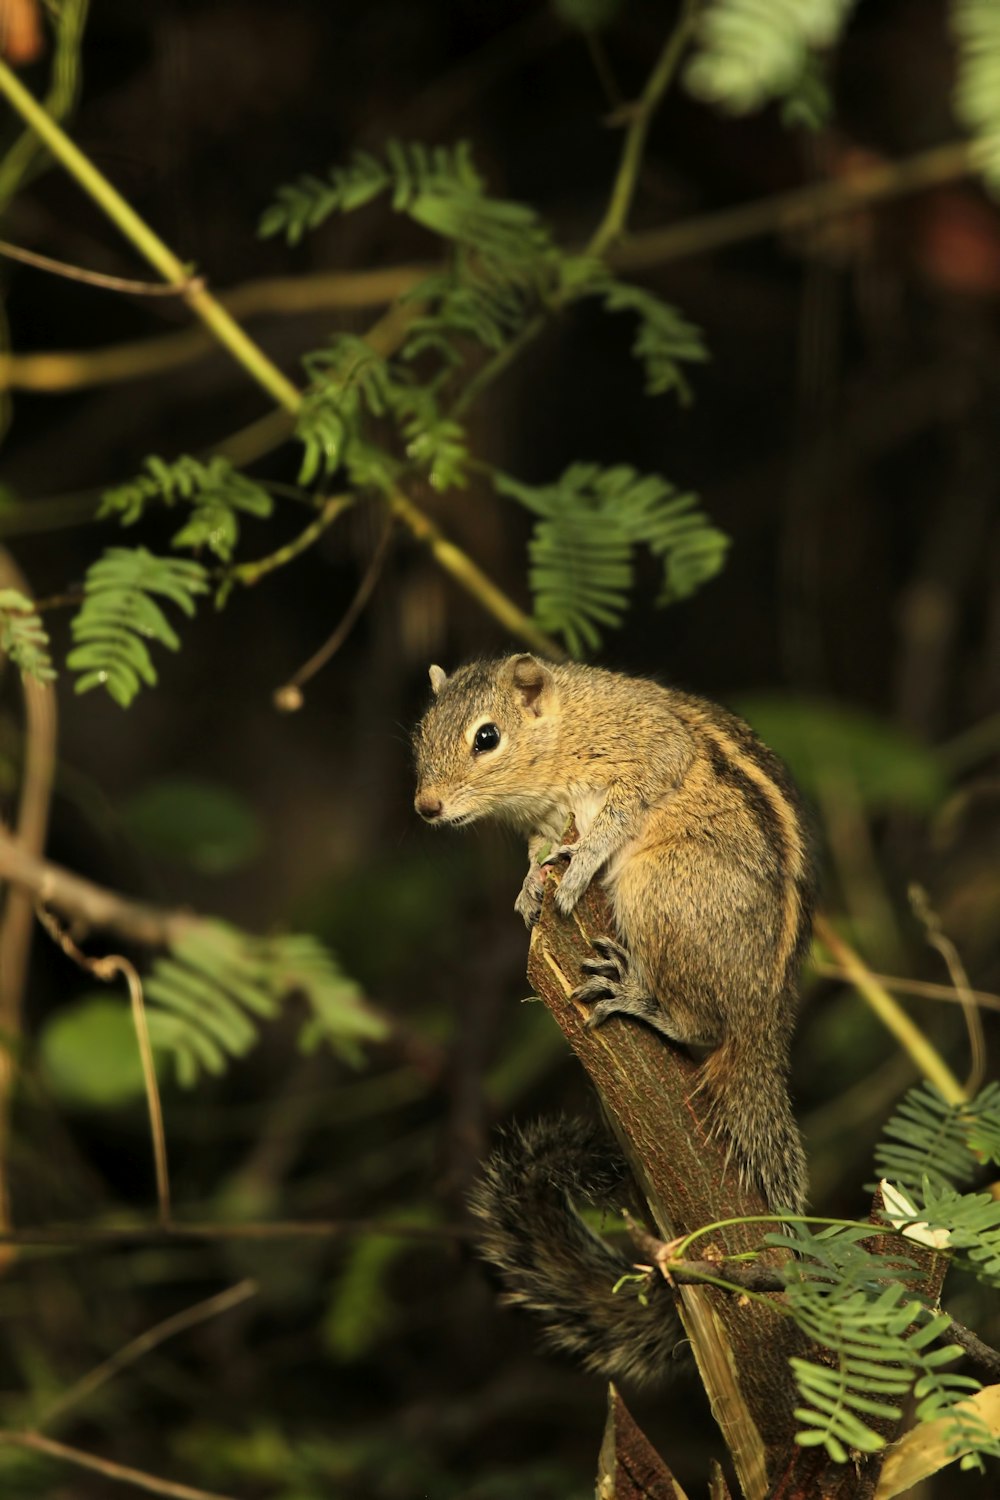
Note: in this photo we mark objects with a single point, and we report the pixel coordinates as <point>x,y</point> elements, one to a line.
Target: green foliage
<point>360,1307</point>
<point>750,51</point>
<point>438,187</point>
<point>829,744</point>
<point>206,998</point>
<point>217,493</point>
<point>199,823</point>
<point>350,382</point>
<point>587,15</point>
<point>884,1342</point>
<point>971,1223</point>
<point>930,1140</point>
<point>118,616</point>
<point>89,1052</point>
<point>347,380</point>
<point>23,637</point>
<point>591,520</point>
<point>665,340</point>
<point>976,24</point>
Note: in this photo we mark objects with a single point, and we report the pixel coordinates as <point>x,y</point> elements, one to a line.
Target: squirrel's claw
<point>613,962</point>
<point>562,851</point>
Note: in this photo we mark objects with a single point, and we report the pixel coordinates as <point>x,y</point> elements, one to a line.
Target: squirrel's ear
<point>438,677</point>
<point>531,678</point>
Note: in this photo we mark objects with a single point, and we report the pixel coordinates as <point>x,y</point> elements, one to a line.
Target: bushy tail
<point>550,1261</point>
<point>747,1081</point>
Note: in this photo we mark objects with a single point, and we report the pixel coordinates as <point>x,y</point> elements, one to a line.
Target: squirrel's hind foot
<point>613,990</point>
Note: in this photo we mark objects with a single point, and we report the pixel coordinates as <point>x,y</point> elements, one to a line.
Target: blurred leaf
<point>90,1054</point>
<point>23,636</point>
<point>360,1308</point>
<point>825,742</point>
<point>209,994</point>
<point>750,51</point>
<point>197,822</point>
<point>586,15</point>
<point>976,27</point>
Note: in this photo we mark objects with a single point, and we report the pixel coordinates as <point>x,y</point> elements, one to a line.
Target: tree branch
<point>91,904</point>
<point>648,1091</point>
<point>34,1442</point>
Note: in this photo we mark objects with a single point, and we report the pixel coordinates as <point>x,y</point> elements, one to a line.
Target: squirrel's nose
<point>428,806</point>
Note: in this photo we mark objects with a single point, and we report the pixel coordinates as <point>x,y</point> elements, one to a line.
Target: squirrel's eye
<point>487,737</point>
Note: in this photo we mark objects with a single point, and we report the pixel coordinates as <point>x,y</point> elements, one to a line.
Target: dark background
<point>845,435</point>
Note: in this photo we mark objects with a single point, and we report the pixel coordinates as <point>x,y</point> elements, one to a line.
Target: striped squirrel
<point>700,839</point>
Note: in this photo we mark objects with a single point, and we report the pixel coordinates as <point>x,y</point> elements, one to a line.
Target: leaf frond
<point>209,994</point>
<point>929,1139</point>
<point>581,552</point>
<point>119,615</point>
<point>976,26</point>
<point>217,493</point>
<point>23,637</point>
<point>751,51</point>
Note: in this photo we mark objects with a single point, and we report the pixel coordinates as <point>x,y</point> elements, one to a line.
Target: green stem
<point>496,366</point>
<point>682,1246</point>
<point>149,245</point>
<point>612,226</point>
<point>21,162</point>
<point>249,573</point>
<point>253,359</point>
<point>892,1015</point>
<point>472,578</point>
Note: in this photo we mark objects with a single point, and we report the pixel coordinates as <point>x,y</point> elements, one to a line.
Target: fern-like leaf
<point>976,24</point>
<point>347,380</point>
<point>590,522</point>
<point>208,996</point>
<point>928,1139</point>
<point>119,615</point>
<point>23,637</point>
<point>217,493</point>
<point>665,341</point>
<point>881,1335</point>
<point>438,187</point>
<point>750,51</point>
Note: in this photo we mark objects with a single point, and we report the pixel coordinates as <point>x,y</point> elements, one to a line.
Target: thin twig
<point>471,577</point>
<point>941,942</point>
<point>250,573</point>
<point>986,1357</point>
<point>149,245</point>
<point>797,208</point>
<point>752,1277</point>
<point>98,278</point>
<point>34,1442</point>
<point>140,1236</point>
<point>612,226</point>
<point>108,969</point>
<point>180,1322</point>
<point>642,251</point>
<point>892,1015</point>
<point>289,696</point>
<point>923,989</point>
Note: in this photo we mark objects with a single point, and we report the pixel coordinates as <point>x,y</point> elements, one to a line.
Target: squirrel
<point>701,841</point>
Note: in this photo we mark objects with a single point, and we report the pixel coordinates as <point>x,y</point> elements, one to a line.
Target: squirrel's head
<point>481,746</point>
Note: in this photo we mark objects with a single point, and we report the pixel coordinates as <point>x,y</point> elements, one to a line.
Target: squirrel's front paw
<point>529,901</point>
<point>574,878</point>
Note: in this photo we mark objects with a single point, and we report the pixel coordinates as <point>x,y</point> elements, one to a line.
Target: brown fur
<point>699,836</point>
